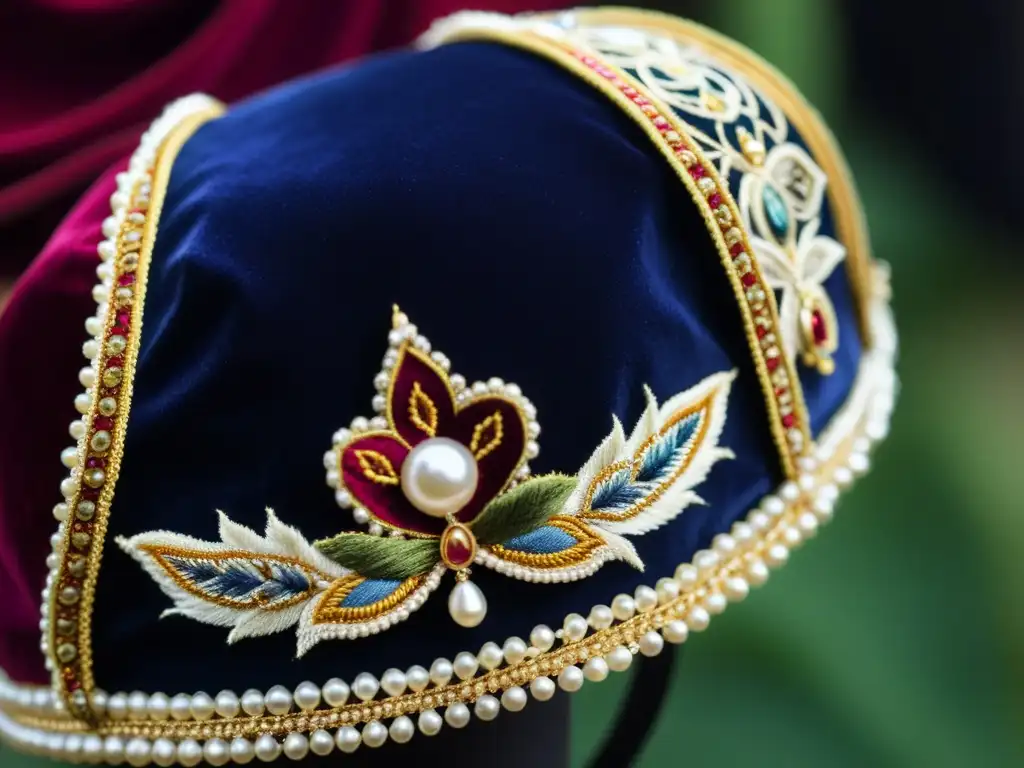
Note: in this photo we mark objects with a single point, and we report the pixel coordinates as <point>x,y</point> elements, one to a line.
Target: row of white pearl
<point>336,692</point>
<point>744,536</point>
<point>73,457</point>
<point>545,575</point>
<point>464,393</point>
<point>412,603</point>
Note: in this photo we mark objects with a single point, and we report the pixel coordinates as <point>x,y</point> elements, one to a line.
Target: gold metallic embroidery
<point>161,554</point>
<point>492,431</point>
<point>422,411</point>
<point>851,227</point>
<point>586,542</point>
<point>408,349</point>
<point>376,467</point>
<point>791,432</point>
<point>547,663</point>
<point>74,680</point>
<point>330,611</point>
<point>693,444</point>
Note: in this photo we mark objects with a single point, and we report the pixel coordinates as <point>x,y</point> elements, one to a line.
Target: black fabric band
<point>639,712</point>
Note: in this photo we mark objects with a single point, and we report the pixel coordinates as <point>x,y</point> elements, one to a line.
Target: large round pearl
<point>467,604</point>
<point>439,476</point>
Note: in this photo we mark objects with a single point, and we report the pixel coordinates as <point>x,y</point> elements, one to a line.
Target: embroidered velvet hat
<point>307,509</point>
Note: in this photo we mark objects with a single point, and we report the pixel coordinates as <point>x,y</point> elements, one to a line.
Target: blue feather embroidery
<point>665,454</point>
<point>546,540</point>
<point>369,592</point>
<point>616,492</point>
<point>240,580</point>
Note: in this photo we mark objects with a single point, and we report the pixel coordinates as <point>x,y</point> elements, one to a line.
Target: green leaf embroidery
<point>377,557</point>
<point>522,509</point>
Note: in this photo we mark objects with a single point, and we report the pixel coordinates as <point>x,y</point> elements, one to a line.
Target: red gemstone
<point>780,391</point>
<point>629,91</point>
<point>90,494</point>
<point>458,546</point>
<point>819,328</point>
<point>124,319</point>
<point>457,552</point>
<point>661,123</point>
<point>103,422</point>
<point>115,362</point>
<point>788,420</point>
<point>697,171</point>
<point>772,363</point>
<point>126,279</point>
<point>736,250</point>
<point>715,200</point>
<point>641,100</point>
<point>94,461</point>
<point>761,331</point>
<point>749,279</point>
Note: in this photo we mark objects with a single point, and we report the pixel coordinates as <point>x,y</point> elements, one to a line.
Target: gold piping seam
<point>160,177</point>
<point>547,663</point>
<point>851,225</point>
<point>566,57</point>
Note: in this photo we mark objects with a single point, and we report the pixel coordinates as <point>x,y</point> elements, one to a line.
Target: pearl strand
<point>749,541</point>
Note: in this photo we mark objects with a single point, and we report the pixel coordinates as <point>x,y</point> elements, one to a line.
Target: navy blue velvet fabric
<point>528,228</point>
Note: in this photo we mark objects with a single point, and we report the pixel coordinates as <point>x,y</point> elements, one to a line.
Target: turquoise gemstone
<point>775,211</point>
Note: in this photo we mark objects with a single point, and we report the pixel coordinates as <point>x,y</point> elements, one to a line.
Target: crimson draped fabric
<point>79,81</point>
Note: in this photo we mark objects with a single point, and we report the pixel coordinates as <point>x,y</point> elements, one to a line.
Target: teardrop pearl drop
<point>467,604</point>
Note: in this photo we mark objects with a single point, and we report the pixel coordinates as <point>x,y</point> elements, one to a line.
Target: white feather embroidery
<point>650,480</point>
<point>258,585</point>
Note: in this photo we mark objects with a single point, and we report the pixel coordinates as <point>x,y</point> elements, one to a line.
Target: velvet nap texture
<point>63,126</point>
<point>532,232</point>
<point>81,79</point>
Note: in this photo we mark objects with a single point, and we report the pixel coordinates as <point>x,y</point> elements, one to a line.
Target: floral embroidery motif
<point>779,186</point>
<point>443,468</point>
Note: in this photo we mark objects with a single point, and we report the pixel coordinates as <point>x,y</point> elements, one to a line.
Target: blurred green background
<point>897,638</point>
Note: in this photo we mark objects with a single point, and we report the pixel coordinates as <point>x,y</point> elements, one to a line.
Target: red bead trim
<point>792,436</point>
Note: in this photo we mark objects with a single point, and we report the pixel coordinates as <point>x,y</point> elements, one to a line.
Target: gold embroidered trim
<point>407,349</point>
<point>133,251</point>
<point>376,467</point>
<point>627,514</point>
<point>850,223</point>
<point>789,448</point>
<point>586,543</point>
<point>160,555</point>
<point>548,663</point>
<point>330,611</point>
<point>493,429</point>
<point>422,411</point>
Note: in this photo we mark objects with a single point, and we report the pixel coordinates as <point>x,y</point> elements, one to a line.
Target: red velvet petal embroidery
<point>420,403</point>
<point>371,468</point>
<point>494,429</point>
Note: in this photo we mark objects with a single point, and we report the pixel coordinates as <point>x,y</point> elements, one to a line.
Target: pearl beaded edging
<point>94,461</point>
<point>401,333</point>
<point>34,718</point>
<point>168,731</point>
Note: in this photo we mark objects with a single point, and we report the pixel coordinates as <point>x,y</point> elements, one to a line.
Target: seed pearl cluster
<point>405,332</point>
<point>484,683</point>
<point>113,294</point>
